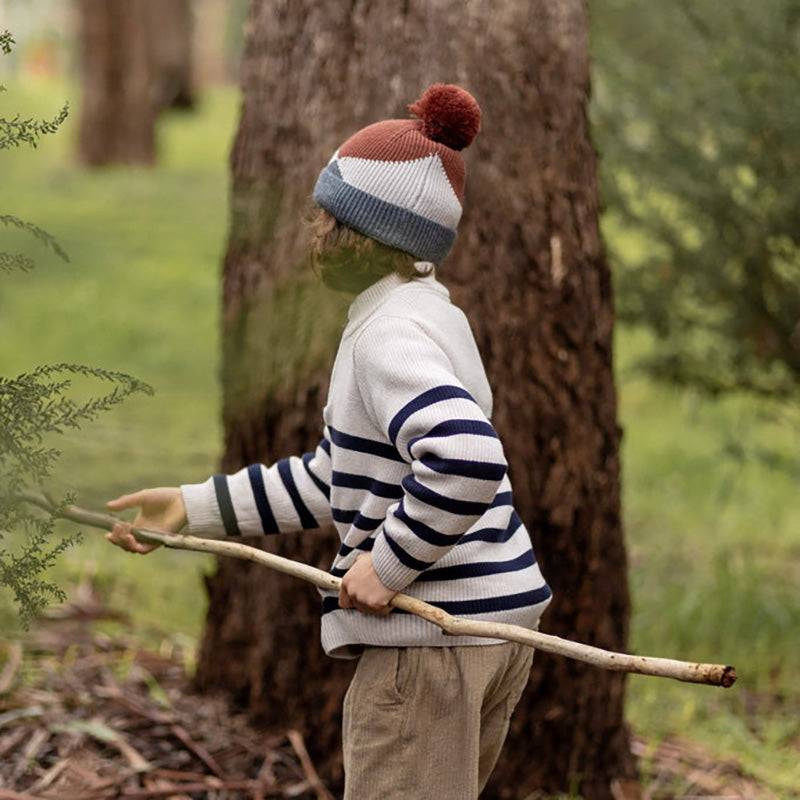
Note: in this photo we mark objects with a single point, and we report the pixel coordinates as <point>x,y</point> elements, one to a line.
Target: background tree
<point>135,62</point>
<point>217,41</point>
<point>529,269</point>
<point>700,132</point>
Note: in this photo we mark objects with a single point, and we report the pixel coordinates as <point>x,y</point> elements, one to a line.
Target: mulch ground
<point>84,716</point>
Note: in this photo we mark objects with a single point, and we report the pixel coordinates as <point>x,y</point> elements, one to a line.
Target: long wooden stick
<point>711,674</point>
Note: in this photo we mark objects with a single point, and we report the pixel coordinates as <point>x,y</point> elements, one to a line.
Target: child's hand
<point>362,588</point>
<point>159,509</point>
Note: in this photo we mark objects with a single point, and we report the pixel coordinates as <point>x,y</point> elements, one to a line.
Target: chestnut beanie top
<point>402,181</point>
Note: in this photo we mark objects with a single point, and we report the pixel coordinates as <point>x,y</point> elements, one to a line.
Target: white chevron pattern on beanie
<point>420,185</point>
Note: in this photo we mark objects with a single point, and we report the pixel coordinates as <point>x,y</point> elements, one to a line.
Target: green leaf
<point>41,235</point>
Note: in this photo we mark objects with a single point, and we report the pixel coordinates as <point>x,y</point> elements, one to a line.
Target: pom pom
<point>450,115</point>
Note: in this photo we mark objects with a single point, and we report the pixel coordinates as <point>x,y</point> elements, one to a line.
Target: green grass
<point>710,487</point>
<point>713,528</point>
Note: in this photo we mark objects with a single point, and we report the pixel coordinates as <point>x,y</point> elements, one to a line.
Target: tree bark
<point>135,61</point>
<point>117,123</point>
<point>215,62</point>
<point>529,270</point>
<point>170,38</point>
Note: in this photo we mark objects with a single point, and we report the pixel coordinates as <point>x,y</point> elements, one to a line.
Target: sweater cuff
<point>393,573</point>
<point>202,509</point>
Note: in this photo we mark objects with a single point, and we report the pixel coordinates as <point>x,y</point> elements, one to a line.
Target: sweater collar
<point>367,301</point>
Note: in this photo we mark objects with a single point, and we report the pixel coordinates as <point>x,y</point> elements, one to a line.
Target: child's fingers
<point>120,535</point>
<point>123,537</point>
<point>365,606</point>
<point>124,501</point>
<point>344,599</point>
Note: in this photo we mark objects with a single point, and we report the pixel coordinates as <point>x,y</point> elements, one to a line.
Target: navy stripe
<point>486,605</point>
<point>494,535</point>
<point>489,605</point>
<point>379,488</point>
<point>423,531</point>
<point>361,445</point>
<point>428,398</point>
<point>226,506</point>
<point>318,482</point>
<point>330,604</point>
<point>482,470</point>
<point>454,427</point>
<point>326,446</point>
<point>268,522</point>
<point>307,519</point>
<point>405,558</point>
<point>478,569</point>
<point>502,499</point>
<point>364,547</point>
<point>449,504</point>
<point>356,519</point>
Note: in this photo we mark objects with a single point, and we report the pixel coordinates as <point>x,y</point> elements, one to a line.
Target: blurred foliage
<point>13,133</point>
<point>33,406</point>
<point>17,131</point>
<point>698,127</point>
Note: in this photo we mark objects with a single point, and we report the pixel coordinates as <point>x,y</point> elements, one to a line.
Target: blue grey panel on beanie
<point>387,223</point>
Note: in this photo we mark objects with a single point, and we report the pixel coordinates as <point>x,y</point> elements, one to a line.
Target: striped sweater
<point>409,469</point>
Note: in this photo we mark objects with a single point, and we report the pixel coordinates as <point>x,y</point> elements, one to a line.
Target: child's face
<point>348,269</point>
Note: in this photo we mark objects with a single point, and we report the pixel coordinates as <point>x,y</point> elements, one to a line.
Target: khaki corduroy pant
<point>428,723</point>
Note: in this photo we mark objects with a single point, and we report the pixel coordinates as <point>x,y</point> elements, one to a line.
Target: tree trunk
<point>117,115</point>
<point>529,270</point>
<point>170,50</point>
<point>135,61</point>
<point>214,63</point>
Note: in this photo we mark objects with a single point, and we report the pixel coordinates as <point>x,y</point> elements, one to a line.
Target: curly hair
<point>347,260</point>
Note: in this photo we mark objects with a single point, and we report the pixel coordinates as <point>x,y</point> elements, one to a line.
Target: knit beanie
<point>401,181</point>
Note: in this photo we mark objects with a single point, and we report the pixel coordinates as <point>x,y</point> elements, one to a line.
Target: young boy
<point>410,472</point>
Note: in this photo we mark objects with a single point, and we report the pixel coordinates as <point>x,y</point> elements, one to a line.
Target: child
<point>410,472</point>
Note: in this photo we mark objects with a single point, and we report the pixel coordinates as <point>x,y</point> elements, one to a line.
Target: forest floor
<point>88,716</point>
